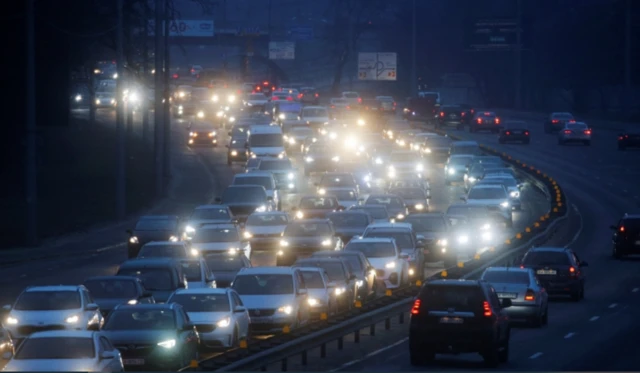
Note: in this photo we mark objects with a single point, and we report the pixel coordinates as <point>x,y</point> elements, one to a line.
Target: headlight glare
<point>224,322</point>
<point>286,310</point>
<point>171,343</point>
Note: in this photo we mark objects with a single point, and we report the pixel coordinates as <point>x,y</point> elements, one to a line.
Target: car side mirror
<point>239,309</point>
<point>7,307</point>
<point>218,199</point>
<point>7,355</point>
<point>303,292</point>
<point>106,355</point>
<point>129,231</point>
<point>506,302</point>
<point>613,227</point>
<point>91,307</point>
<point>584,264</point>
<point>188,327</point>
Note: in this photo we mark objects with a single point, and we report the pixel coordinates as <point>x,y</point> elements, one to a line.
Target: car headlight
<point>193,134</point>
<point>113,101</point>
<point>247,235</point>
<point>173,239</point>
<point>308,159</point>
<point>195,252</point>
<point>451,171</point>
<point>442,242</point>
<point>326,242</point>
<point>282,116</point>
<point>340,291</point>
<point>286,310</point>
<point>262,208</point>
<point>313,302</point>
<point>200,114</point>
<point>232,98</point>
<point>322,191</point>
<point>390,265</point>
<point>419,206</point>
<point>171,343</point>
<point>284,243</point>
<point>212,134</point>
<point>359,283</point>
<point>232,119</point>
<point>72,319</point>
<point>333,135</point>
<point>290,176</point>
<point>132,301</point>
<point>133,97</point>
<point>133,239</point>
<point>463,239</point>
<point>472,179</point>
<point>336,159</point>
<point>379,160</point>
<point>299,215</point>
<point>12,320</point>
<point>419,167</point>
<point>504,204</point>
<point>485,227</point>
<point>412,271</point>
<point>181,94</point>
<point>233,251</point>
<point>214,98</point>
<point>361,122</point>
<point>515,194</point>
<point>78,98</point>
<point>224,322</point>
<point>486,236</point>
<point>427,150</point>
<point>220,114</point>
<point>323,131</point>
<point>234,153</point>
<point>292,141</point>
<point>180,107</point>
<point>400,216</point>
<point>367,178</point>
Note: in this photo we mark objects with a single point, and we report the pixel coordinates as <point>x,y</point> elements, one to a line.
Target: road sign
<point>301,33</point>
<point>282,50</point>
<point>377,66</point>
<point>181,28</point>
<point>496,34</point>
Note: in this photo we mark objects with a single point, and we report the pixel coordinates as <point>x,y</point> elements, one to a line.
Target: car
<point>218,315</point>
<point>151,228</point>
<point>495,197</point>
<point>266,141</point>
<point>320,158</point>
<point>358,264</point>
<point>243,200</point>
<point>421,108</point>
<point>471,148</point>
<point>304,237</point>
<point>316,117</point>
<point>166,249</point>
<point>197,273</point>
<point>206,214</point>
<point>529,300</point>
<point>44,308</point>
<point>485,121</point>
<point>350,223</point>
<point>556,121</point>
<point>387,104</point>
<point>346,197</point>
<point>66,350</point>
<point>436,148</point>
<point>225,266</point>
<point>626,236</point>
<point>405,161</point>
<point>456,167</point>
<point>439,244</point>
<point>575,132</point>
<point>450,115</point>
<point>416,199</point>
<point>459,316</point>
<point>514,131</point>
<point>384,256</point>
<point>316,207</point>
<point>338,105</point>
<point>237,150</point>
<point>629,139</point>
<point>252,164</point>
<point>379,213</point>
<point>110,291</point>
<point>480,225</point>
<point>309,95</point>
<point>409,181</point>
<point>297,136</point>
<point>275,297</point>
<point>256,101</point>
<point>337,180</point>
<point>322,293</point>
<point>221,237</point>
<point>284,173</point>
<point>202,133</point>
<point>475,173</point>
<point>166,336</point>
<point>263,178</point>
<point>499,171</point>
<point>264,229</point>
<point>160,276</point>
<point>510,183</point>
<point>467,113</point>
<point>340,276</point>
<point>558,269</point>
<point>396,206</point>
<point>420,139</point>
<point>352,98</point>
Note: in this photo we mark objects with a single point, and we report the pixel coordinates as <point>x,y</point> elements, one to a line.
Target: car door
<point>542,292</point>
<point>94,317</point>
<point>576,263</point>
<point>243,318</point>
<point>501,315</point>
<point>109,365</point>
<point>302,299</point>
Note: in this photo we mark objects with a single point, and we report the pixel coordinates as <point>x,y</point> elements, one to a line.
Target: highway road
<point>600,332</point>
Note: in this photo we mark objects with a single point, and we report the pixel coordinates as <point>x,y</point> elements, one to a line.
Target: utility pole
<point>158,114</point>
<point>145,73</point>
<point>518,77</point>
<point>167,93</point>
<point>32,157</point>
<point>627,58</point>
<point>121,165</point>
<point>414,44</point>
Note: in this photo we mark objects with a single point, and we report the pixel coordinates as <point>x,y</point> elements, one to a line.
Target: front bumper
<point>213,336</point>
<point>265,243</point>
<point>195,141</point>
<point>271,324</point>
<point>390,279</point>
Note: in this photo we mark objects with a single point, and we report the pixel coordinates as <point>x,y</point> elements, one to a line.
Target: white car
<point>384,255</point>
<point>322,295</point>
<point>493,196</point>
<point>406,162</point>
<point>315,117</point>
<point>206,214</point>
<point>347,197</point>
<point>197,273</point>
<point>256,100</point>
<point>66,351</point>
<point>218,314</point>
<point>41,308</point>
<point>264,229</point>
<point>221,238</point>
<point>353,98</point>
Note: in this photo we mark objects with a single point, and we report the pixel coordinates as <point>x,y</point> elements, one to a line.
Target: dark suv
<point>450,115</point>
<point>558,269</point>
<point>626,236</point>
<point>459,316</point>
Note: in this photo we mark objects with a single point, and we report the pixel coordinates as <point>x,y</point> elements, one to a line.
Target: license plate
<point>451,320</point>
<point>133,361</point>
<point>507,295</point>
<point>517,132</point>
<point>546,272</point>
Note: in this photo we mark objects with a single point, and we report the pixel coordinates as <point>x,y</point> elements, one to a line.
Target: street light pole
<point>414,45</point>
<point>158,115</point>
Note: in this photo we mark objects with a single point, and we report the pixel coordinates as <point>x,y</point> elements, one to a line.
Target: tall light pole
<point>414,45</point>
<point>167,93</point>
<point>31,164</point>
<point>121,165</point>
<point>158,114</point>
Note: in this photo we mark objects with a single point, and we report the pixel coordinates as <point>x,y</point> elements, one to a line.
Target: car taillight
<point>176,76</point>
<point>463,114</point>
<point>572,120</point>
<point>479,120</point>
<point>572,271</point>
<point>289,98</point>
<point>567,132</point>
<point>472,111</point>
<point>521,267</point>
<point>317,95</point>
<point>507,133</point>
<point>526,133</point>
<point>487,309</point>
<point>529,295</point>
<point>555,121</point>
<point>333,106</point>
<point>416,307</point>
<point>348,107</point>
<point>621,228</point>
<point>497,120</point>
<point>442,113</point>
<point>587,132</point>
<point>359,100</point>
<point>394,104</point>
<point>621,137</point>
<point>257,88</point>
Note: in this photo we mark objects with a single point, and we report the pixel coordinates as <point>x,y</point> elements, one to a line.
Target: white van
<point>265,141</point>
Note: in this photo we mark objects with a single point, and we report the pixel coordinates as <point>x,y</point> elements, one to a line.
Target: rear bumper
<point>564,287</point>
<point>446,342</point>
<point>519,313</point>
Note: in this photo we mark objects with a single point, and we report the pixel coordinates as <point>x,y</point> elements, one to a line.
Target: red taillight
<point>507,133</point>
<point>333,106</point>
<point>497,120</point>
<point>479,120</point>
<point>348,107</point>
<point>487,309</point>
<point>317,95</point>
<point>521,266</point>
<point>210,85</point>
<point>620,137</point>
<point>622,228</point>
<point>359,100</point>
<point>572,271</point>
<point>273,88</point>
<point>176,76</point>
<point>416,307</point>
<point>530,295</point>
<point>486,114</point>
<point>472,111</point>
<point>526,133</point>
<point>587,132</point>
<point>463,113</point>
<point>572,120</point>
<point>276,98</point>
<point>193,71</point>
<point>394,104</point>
<point>300,95</point>
<point>567,132</point>
<point>289,98</point>
<point>442,113</point>
<point>555,121</point>
<point>265,83</point>
<point>257,88</point>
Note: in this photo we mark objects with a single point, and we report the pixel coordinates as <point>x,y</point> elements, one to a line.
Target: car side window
<point>574,257</point>
<point>238,300</point>
<point>300,281</point>
<point>233,302</point>
<point>105,344</point>
<point>87,297</point>
<point>493,298</point>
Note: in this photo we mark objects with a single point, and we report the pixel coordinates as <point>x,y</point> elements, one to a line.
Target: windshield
<point>216,235</point>
<point>270,140</point>
<point>376,212</point>
<point>140,319</point>
<point>245,194</point>
<point>460,298</point>
<point>403,239</point>
<point>338,101</point>
<point>311,203</point>
<point>473,212</point>
<point>542,258</point>
<point>315,113</point>
<point>56,348</point>
<point>373,249</point>
<point>257,96</point>
<point>508,182</point>
<point>265,284</point>
<point>224,262</point>
<point>349,220</point>
<point>253,162</point>
<point>156,225</point>
<point>215,213</point>
<point>191,269</point>
<point>386,201</point>
<point>459,160</point>
<point>152,278</point>
<point>427,223</point>
<point>268,220</point>
<point>275,165</point>
<point>313,280</point>
<point>486,193</point>
<point>506,277</point>
<point>162,251</point>
<point>410,193</point>
<point>112,289</point>
<point>343,195</point>
<point>499,170</point>
<point>403,157</point>
<point>202,302</point>
<point>239,131</point>
<point>302,229</point>
<point>264,181</point>
<point>201,94</point>
<point>337,180</point>
<point>335,270</point>
<point>48,301</point>
<point>301,131</point>
<point>466,149</point>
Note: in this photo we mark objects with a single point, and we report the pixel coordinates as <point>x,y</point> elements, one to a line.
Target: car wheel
<point>421,357</point>
<point>235,340</point>
<point>503,354</point>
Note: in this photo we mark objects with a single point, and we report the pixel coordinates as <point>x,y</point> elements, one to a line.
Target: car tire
<point>503,355</point>
<point>421,357</point>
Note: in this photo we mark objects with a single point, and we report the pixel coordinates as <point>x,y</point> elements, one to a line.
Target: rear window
<point>351,95</point>
<point>444,297</point>
<point>506,277</point>
<point>546,258</point>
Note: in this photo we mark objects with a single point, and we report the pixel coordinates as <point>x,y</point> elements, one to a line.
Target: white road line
<point>569,335</point>
<point>594,318</point>
<point>370,355</point>
<point>111,247</point>
<point>579,232</point>
<point>613,305</point>
<point>536,355</point>
<point>635,290</point>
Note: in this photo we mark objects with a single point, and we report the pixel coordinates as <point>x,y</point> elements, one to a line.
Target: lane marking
<point>579,232</point>
<point>635,290</point>
<point>594,318</point>
<point>569,335</point>
<point>613,305</point>
<point>111,247</point>
<point>370,355</point>
<point>536,355</point>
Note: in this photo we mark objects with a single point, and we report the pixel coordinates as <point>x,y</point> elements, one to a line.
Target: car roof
<point>149,262</point>
<point>389,225</point>
<point>219,226</point>
<point>147,306</point>
<point>165,243</point>
<point>207,207</point>
<point>488,186</point>
<point>335,253</point>
<point>63,333</point>
<point>267,270</point>
<point>441,282</point>
<point>115,278</point>
<point>374,240</point>
<point>55,288</point>
<point>313,221</point>
<point>426,214</point>
<point>248,186</point>
<point>254,173</point>
<point>281,213</point>
<point>365,207</point>
<point>311,269</point>
<point>317,259</point>
<point>202,291</point>
<point>549,249</point>
<point>158,217</point>
<point>508,269</point>
<point>314,107</point>
<point>348,212</point>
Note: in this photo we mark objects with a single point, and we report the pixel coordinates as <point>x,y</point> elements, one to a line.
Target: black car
<point>437,232</point>
<point>514,131</point>
<point>160,276</point>
<point>304,237</point>
<point>366,283</point>
<point>237,150</point>
<point>316,207</point>
<point>225,266</point>
<point>450,115</point>
<point>396,207</point>
<point>379,213</point>
<point>152,228</point>
<point>558,269</point>
<point>626,236</point>
<point>348,224</point>
<point>337,180</point>
<point>154,336</point>
<point>111,291</point>
<point>436,148</point>
<point>244,200</point>
<point>202,133</point>
<point>421,108</point>
<point>628,140</point>
<point>416,198</point>
<point>467,113</point>
<point>459,316</point>
<point>309,95</point>
<point>320,157</point>
<point>556,121</point>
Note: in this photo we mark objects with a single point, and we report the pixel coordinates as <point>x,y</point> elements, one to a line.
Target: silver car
<point>198,273</point>
<point>347,197</point>
<point>225,238</point>
<point>456,167</point>
<point>575,132</point>
<point>264,229</point>
<point>529,298</point>
<point>493,196</point>
<point>322,293</point>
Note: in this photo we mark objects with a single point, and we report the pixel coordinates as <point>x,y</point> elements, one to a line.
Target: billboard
<point>377,66</point>
<point>496,34</point>
<point>180,28</point>
<point>282,50</point>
